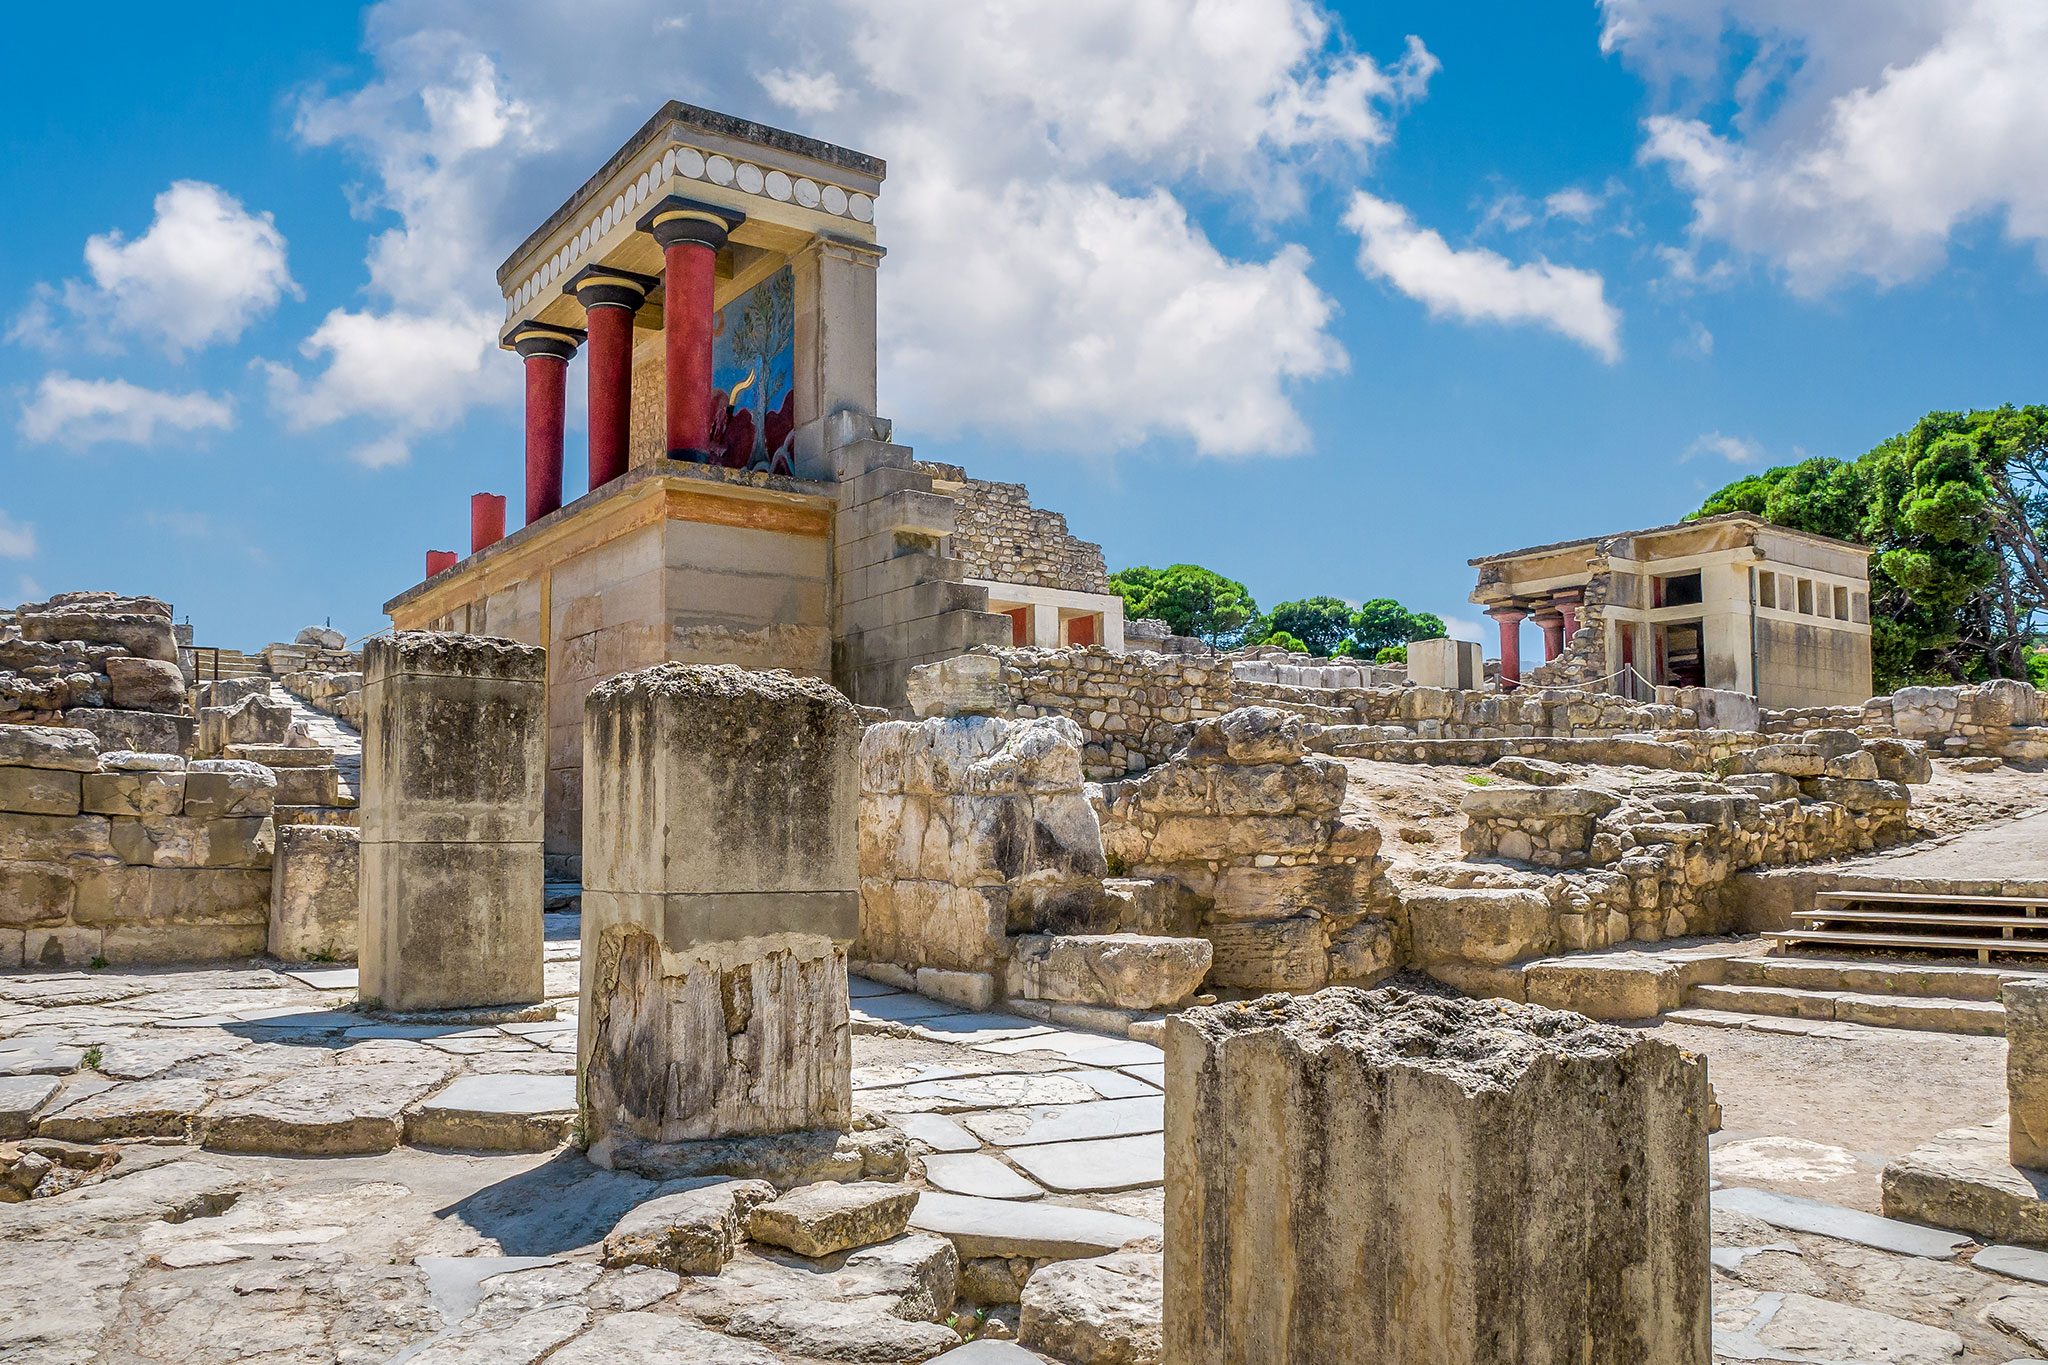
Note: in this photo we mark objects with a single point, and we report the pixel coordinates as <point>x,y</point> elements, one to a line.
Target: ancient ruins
<point>774,907</point>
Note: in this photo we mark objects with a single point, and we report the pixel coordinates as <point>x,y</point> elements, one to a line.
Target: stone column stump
<point>720,892</point>
<point>2026,1071</point>
<point>454,759</point>
<point>1376,1178</point>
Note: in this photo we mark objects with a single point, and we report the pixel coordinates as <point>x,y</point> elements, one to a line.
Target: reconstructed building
<point>1728,602</point>
<point>746,504</point>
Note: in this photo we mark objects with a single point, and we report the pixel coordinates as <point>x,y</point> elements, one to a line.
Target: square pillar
<point>1375,1178</point>
<point>2026,1071</point>
<point>1045,626</point>
<point>721,887</point>
<point>454,753</point>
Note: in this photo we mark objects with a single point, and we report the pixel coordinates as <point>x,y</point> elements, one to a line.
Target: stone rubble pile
<point>316,649</point>
<point>96,660</point>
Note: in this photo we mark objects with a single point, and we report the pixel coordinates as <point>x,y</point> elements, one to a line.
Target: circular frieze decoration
<point>718,170</point>
<point>862,207</point>
<point>690,162</point>
<point>834,199</point>
<point>777,185</point>
<point>807,193</point>
<point>748,177</point>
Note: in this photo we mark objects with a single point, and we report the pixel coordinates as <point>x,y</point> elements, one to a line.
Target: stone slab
<point>862,988</point>
<point>1101,1167</point>
<point>2021,1263</point>
<point>901,1008</point>
<point>136,1109</point>
<point>515,1112</point>
<point>976,1028</point>
<point>1152,1073</point>
<point>325,1111</point>
<point>1796,1214</point>
<point>326,978</point>
<point>829,1217</point>
<point>935,1131</point>
<point>995,1227</point>
<point>1007,1091</point>
<point>22,1096</point>
<point>38,1057</point>
<point>1069,1122</point>
<point>986,1352</point>
<point>978,1174</point>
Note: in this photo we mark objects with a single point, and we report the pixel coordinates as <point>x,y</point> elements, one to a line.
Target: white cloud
<point>1734,449</point>
<point>1864,136</point>
<point>83,412</point>
<point>1459,628</point>
<point>1573,203</point>
<point>17,538</point>
<point>803,92</point>
<point>203,272</point>
<point>1478,285</point>
<point>1045,280</point>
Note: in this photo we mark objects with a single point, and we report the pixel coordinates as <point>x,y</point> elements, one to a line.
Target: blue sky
<point>1464,277</point>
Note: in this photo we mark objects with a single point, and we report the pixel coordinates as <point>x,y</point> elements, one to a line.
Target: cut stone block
<point>2021,1263</point>
<point>161,1108</point>
<point>995,1227</point>
<point>48,746</point>
<point>39,791</point>
<point>1103,1309</point>
<point>1462,1146</point>
<point>496,1113</point>
<point>1123,971</point>
<point>337,1110</point>
<point>1099,1167</point>
<point>1797,1214</point>
<point>1605,986</point>
<point>454,757</point>
<point>721,888</point>
<point>818,1220</point>
<point>694,1232</point>
<point>1963,1178</point>
<point>313,893</point>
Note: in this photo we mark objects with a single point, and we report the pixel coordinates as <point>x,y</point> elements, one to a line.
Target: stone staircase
<point>1938,997</point>
<point>233,664</point>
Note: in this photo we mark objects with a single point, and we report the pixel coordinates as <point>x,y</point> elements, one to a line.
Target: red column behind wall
<point>486,520</point>
<point>1510,623</point>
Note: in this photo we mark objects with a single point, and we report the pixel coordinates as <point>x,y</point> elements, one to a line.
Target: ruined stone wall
<point>100,661</point>
<point>999,535</point>
<point>1134,709</point>
<point>970,827</point>
<point>2003,718</point>
<point>335,694</point>
<point>1290,891</point>
<point>129,857</point>
<point>1584,661</point>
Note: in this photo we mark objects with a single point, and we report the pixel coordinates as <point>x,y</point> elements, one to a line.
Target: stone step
<point>1956,982</point>
<point>1931,1014</point>
<point>1119,971</point>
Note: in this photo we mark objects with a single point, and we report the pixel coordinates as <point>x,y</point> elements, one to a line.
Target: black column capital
<point>676,219</point>
<point>602,286</point>
<point>540,338</point>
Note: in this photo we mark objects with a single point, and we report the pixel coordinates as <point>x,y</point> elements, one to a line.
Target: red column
<point>690,235</point>
<point>486,520</point>
<point>1552,623</point>
<point>546,351</point>
<point>1510,621</point>
<point>610,298</point>
<point>1567,604</point>
<point>437,560</point>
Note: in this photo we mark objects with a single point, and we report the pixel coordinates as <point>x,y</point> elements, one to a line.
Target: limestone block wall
<point>998,534</point>
<point>335,694</point>
<point>2003,718</point>
<point>1291,890</point>
<point>130,857</point>
<point>971,828</point>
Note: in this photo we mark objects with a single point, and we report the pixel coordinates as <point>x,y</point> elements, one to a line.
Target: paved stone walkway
<point>2014,850</point>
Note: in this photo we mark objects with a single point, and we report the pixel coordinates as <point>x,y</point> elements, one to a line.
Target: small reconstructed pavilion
<point>1728,602</point>
<point>745,502</point>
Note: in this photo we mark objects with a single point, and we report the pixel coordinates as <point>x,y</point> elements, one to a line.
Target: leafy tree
<point>1320,624</point>
<point>1280,639</point>
<point>1392,654</point>
<point>1191,600</point>
<point>1383,622</point>
<point>1956,513</point>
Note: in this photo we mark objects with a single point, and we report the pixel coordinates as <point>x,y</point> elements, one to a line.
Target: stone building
<point>747,505</point>
<point>1728,602</point>
<point>1053,586</point>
